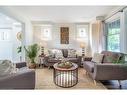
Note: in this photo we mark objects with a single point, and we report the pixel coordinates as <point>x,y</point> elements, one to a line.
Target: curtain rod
<point>121,10</point>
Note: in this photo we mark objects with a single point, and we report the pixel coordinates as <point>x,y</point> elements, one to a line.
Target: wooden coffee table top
<point>75,66</point>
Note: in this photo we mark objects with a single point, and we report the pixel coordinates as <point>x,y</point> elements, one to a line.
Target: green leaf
<point>31,52</point>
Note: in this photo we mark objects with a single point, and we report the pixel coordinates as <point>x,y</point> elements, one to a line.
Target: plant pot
<point>32,66</point>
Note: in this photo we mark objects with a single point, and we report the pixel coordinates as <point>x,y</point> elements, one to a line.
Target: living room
<point>64,36</point>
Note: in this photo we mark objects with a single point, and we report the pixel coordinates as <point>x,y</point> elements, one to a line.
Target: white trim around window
<point>46,32</point>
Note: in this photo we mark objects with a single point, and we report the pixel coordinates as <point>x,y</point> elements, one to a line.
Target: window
<point>46,32</point>
<point>82,32</point>
<point>113,36</point>
<point>5,34</point>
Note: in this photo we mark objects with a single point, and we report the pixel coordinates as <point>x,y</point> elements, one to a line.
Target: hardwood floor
<point>114,84</point>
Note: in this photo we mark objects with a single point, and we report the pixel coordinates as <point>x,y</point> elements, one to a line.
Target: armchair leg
<point>119,83</point>
<point>95,83</point>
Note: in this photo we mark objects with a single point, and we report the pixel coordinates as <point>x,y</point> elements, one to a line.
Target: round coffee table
<point>65,77</point>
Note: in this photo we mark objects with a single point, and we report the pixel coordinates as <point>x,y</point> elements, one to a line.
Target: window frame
<point>43,36</point>
<point>84,27</point>
<point>107,35</point>
<point>3,38</point>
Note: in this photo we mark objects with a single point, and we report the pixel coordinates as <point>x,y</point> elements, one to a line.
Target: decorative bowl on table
<point>65,65</point>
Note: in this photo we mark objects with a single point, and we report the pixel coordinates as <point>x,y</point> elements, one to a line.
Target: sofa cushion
<point>97,57</point>
<point>89,66</point>
<point>111,57</point>
<point>71,53</point>
<point>75,60</point>
<point>53,60</point>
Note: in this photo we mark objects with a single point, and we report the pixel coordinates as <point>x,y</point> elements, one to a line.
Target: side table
<point>41,60</point>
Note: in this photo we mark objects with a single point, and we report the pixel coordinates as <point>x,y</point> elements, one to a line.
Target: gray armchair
<point>23,79</point>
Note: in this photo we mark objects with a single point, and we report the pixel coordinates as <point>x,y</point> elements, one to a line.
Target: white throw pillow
<point>97,57</point>
<point>71,53</point>
<point>51,53</point>
<point>7,67</point>
<point>58,54</point>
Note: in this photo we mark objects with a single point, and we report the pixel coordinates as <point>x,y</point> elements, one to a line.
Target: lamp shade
<point>82,45</point>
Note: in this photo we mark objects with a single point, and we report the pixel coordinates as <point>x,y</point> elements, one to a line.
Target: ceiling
<point>6,19</point>
<point>63,13</point>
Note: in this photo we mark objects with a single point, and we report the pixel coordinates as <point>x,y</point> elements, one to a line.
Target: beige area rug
<point>44,80</point>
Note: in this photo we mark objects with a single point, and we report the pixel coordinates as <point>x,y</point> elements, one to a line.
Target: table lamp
<point>42,49</point>
<point>82,45</point>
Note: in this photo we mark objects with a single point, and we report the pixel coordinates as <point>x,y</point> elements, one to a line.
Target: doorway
<point>10,38</point>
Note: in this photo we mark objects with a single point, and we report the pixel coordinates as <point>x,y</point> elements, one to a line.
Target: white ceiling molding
<point>114,17</point>
<point>113,11</point>
<point>62,14</point>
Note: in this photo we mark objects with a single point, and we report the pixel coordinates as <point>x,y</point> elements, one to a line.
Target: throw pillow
<point>97,57</point>
<point>58,54</point>
<point>51,53</point>
<point>71,53</point>
<point>7,67</point>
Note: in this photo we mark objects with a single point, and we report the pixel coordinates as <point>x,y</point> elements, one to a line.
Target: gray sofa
<point>107,69</point>
<point>49,61</point>
<point>23,79</point>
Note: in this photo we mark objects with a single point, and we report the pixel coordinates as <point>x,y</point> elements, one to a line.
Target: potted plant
<point>31,53</point>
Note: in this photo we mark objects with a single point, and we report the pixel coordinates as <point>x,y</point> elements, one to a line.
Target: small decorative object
<point>64,35</point>
<point>82,45</point>
<point>31,53</point>
<point>66,65</point>
<point>19,36</point>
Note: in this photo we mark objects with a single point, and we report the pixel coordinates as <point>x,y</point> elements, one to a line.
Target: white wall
<point>55,42</point>
<point>16,42</point>
<point>27,27</point>
<point>8,49</point>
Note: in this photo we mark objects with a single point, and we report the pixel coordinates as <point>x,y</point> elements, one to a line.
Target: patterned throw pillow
<point>7,67</point>
<point>71,53</point>
<point>58,54</point>
<point>51,53</point>
<point>97,57</point>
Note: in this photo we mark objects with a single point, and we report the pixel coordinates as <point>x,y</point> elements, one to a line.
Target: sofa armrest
<point>21,80</point>
<point>20,64</point>
<point>87,58</point>
<point>110,72</point>
<point>79,60</point>
<point>46,58</point>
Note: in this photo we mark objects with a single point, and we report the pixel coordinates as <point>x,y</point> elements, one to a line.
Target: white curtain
<point>123,34</point>
<point>98,38</point>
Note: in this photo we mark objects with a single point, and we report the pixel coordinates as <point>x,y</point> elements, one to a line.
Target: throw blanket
<point>7,67</point>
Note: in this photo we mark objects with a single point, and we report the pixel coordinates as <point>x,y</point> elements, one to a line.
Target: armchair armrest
<point>87,58</point>
<point>110,72</point>
<point>21,64</point>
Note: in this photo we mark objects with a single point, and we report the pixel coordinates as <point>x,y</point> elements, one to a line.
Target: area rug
<point>44,80</point>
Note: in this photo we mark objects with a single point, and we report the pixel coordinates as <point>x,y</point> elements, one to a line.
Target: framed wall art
<point>64,35</point>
